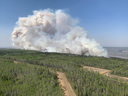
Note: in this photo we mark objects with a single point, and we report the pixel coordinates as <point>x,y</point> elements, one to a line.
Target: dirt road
<point>105,72</point>
<point>101,71</point>
<point>67,89</point>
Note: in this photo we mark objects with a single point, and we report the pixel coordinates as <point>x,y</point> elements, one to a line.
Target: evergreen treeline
<point>35,56</point>
<point>27,80</point>
<point>121,71</point>
<point>84,82</point>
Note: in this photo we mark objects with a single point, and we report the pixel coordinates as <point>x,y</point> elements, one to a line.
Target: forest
<point>27,80</point>
<point>35,74</point>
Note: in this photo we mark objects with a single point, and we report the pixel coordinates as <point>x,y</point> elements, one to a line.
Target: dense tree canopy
<point>36,71</point>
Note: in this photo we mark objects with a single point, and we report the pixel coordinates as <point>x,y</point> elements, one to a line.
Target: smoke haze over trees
<point>54,32</point>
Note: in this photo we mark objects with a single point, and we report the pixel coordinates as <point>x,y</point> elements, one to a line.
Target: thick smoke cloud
<point>49,31</point>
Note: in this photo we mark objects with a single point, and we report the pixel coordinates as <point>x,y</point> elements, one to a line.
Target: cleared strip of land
<point>105,72</point>
<point>66,87</point>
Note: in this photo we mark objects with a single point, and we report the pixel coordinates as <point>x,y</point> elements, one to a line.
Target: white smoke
<point>49,31</point>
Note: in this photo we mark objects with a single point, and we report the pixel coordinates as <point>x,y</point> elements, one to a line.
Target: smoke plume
<point>49,31</point>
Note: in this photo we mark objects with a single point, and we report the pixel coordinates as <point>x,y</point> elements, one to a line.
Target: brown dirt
<point>15,62</point>
<point>105,72</point>
<point>66,87</point>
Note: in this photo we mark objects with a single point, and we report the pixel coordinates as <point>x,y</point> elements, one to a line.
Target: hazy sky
<point>105,20</point>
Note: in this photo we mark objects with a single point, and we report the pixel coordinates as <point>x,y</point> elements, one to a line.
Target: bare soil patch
<point>101,71</point>
<point>66,87</point>
<point>15,62</point>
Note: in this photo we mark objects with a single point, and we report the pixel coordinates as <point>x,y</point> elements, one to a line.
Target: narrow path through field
<point>67,89</point>
<point>105,72</point>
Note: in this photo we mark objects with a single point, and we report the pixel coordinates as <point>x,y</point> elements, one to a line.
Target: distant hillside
<point>117,51</point>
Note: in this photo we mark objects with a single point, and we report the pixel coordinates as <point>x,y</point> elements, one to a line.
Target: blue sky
<point>105,20</point>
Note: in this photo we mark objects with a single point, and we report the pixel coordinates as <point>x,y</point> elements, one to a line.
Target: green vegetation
<point>84,82</point>
<point>27,80</point>
<point>35,57</point>
<point>121,71</point>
